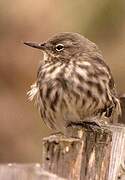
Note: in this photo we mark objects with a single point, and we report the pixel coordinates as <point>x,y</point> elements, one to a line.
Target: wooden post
<point>98,155</point>
<point>117,160</point>
<point>78,159</point>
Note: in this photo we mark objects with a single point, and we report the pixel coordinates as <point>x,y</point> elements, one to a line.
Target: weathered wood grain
<point>78,159</point>
<point>117,159</point>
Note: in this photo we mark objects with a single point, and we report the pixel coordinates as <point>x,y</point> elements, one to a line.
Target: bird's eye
<point>59,47</point>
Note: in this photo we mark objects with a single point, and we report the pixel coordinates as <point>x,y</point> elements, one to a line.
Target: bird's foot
<point>92,125</point>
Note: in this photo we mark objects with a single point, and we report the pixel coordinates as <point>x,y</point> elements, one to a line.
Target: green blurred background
<point>21,129</point>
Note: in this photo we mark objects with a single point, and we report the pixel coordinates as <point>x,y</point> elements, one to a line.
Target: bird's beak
<point>35,45</point>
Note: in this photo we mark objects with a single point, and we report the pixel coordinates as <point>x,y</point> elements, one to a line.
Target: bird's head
<point>64,46</point>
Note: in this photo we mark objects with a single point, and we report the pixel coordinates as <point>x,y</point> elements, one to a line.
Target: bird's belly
<point>78,106</point>
<point>61,106</point>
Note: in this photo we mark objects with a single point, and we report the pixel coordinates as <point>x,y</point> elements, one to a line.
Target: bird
<point>74,85</point>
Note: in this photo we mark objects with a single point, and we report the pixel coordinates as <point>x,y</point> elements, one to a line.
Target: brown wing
<point>114,110</point>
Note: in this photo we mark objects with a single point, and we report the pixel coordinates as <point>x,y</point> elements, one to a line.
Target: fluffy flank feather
<point>32,92</point>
